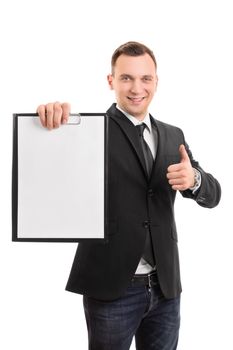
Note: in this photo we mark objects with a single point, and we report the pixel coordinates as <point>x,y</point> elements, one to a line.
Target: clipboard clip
<point>74,119</point>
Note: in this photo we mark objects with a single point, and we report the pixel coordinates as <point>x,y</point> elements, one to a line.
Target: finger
<point>175,167</point>
<point>178,181</point>
<point>179,187</point>
<point>174,175</point>
<point>183,154</point>
<point>57,115</point>
<point>41,111</point>
<point>66,112</point>
<point>49,115</point>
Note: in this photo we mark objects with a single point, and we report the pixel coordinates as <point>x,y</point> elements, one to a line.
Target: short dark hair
<point>132,48</point>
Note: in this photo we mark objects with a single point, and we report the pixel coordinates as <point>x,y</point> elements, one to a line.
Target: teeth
<point>136,99</point>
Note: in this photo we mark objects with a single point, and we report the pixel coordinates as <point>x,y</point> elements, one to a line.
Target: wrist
<point>197,180</point>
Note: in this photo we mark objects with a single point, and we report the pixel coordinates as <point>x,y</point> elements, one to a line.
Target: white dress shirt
<point>143,266</point>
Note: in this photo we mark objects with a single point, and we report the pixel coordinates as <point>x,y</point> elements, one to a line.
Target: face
<point>134,81</point>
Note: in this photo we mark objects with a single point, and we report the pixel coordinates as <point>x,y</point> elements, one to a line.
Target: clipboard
<point>59,179</point>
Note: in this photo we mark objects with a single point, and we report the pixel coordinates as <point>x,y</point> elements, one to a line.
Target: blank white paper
<point>61,179</point>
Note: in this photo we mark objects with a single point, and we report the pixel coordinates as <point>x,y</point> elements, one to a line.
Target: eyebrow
<point>132,77</point>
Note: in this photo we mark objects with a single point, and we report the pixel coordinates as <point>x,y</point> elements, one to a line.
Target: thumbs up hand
<point>181,176</point>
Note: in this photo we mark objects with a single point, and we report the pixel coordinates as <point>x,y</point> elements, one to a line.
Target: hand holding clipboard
<point>52,115</point>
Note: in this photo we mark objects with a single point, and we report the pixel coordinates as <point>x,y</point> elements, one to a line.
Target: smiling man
<point>131,283</point>
<point>134,81</point>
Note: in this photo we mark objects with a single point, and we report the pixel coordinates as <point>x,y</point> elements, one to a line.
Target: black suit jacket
<point>103,270</point>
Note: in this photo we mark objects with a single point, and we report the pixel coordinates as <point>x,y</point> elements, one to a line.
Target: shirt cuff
<point>197,181</point>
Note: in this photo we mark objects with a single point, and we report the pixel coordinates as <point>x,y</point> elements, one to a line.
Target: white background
<point>60,50</point>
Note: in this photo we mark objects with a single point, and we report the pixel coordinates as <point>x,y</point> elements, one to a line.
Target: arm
<point>181,177</point>
<point>209,193</point>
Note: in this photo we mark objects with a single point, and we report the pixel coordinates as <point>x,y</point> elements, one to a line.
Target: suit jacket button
<point>146,224</point>
<point>150,192</point>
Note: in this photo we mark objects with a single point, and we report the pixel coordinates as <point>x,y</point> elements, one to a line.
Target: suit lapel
<point>156,140</point>
<point>130,132</point>
<point>160,152</point>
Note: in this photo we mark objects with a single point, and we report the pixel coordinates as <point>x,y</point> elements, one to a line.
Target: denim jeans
<point>142,312</point>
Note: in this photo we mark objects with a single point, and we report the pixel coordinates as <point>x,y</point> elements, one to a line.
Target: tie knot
<point>140,128</point>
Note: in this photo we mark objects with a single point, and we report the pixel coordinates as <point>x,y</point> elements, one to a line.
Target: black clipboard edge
<point>16,115</point>
<point>15,179</point>
<point>15,237</point>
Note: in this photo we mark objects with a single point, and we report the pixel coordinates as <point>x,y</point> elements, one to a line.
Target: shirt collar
<point>135,121</point>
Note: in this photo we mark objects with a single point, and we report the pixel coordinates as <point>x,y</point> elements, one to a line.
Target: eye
<point>125,78</point>
<point>147,78</point>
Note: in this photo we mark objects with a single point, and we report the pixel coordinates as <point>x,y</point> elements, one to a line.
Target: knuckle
<point>49,105</point>
<point>49,109</point>
<point>40,109</point>
<point>57,107</point>
<point>66,106</point>
<point>49,113</point>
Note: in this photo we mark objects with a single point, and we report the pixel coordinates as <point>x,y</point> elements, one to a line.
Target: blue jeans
<point>142,312</point>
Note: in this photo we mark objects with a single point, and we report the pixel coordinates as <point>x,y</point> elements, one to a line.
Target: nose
<point>136,87</point>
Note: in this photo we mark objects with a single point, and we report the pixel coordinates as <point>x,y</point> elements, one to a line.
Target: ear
<point>110,81</point>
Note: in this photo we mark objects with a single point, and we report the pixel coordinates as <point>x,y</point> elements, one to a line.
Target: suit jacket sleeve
<point>209,193</point>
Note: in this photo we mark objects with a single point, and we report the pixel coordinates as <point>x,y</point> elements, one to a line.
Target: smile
<point>136,99</point>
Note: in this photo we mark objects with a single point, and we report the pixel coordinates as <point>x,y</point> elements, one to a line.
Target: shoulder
<point>165,126</point>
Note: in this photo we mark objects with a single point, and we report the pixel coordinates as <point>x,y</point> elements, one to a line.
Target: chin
<point>137,111</point>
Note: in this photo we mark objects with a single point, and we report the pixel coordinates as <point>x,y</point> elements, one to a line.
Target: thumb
<point>183,154</point>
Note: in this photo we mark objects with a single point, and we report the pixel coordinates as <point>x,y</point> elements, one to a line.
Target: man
<point>131,282</point>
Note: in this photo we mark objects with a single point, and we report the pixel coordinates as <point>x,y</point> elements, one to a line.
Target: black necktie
<point>149,160</point>
<point>148,250</point>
